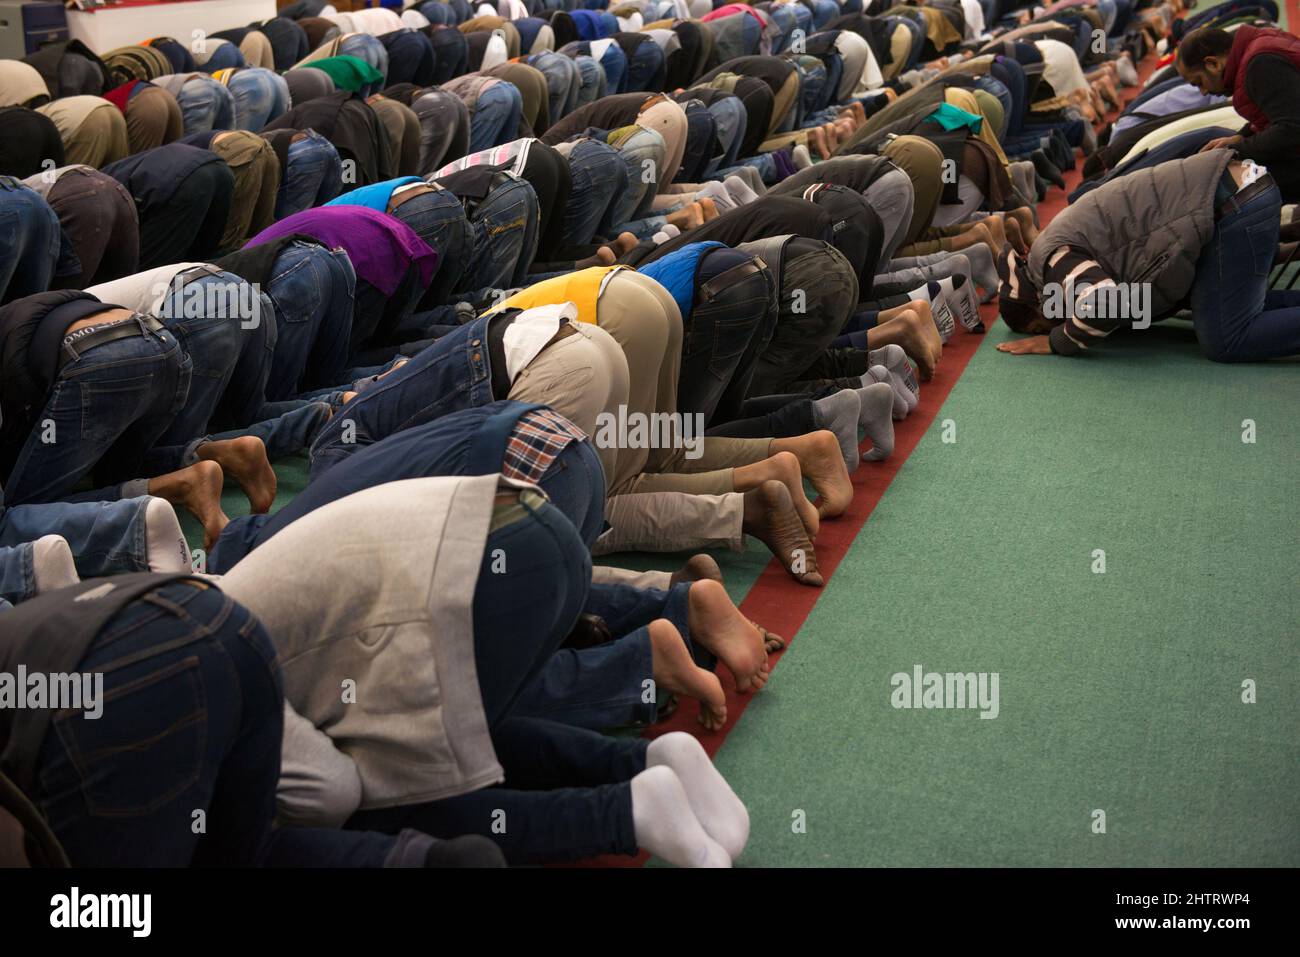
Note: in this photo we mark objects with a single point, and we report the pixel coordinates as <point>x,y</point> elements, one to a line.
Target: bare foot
<point>995,229</point>
<point>708,209</point>
<point>624,243</point>
<point>718,626</point>
<point>604,257</point>
<point>197,489</point>
<point>770,517</point>
<point>244,459</point>
<point>920,340</point>
<point>821,462</point>
<point>1024,217</point>
<point>697,568</point>
<point>674,670</point>
<point>1014,236</point>
<point>687,217</point>
<point>772,643</point>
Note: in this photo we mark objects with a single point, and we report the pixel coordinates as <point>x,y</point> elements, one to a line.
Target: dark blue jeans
<point>192,721</point>
<point>439,219</point>
<point>505,240</point>
<point>29,241</point>
<point>311,291</point>
<point>599,180</point>
<point>566,793</point>
<point>107,409</point>
<point>1237,318</point>
<point>312,176</point>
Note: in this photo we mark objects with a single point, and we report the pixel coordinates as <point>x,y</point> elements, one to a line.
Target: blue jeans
<point>505,238</point>
<point>439,219</point>
<point>206,104</point>
<point>592,84</point>
<point>599,179</point>
<point>311,291</point>
<point>313,175</point>
<point>29,241</point>
<point>496,116</point>
<point>604,687</point>
<point>1237,318</point>
<point>106,538</point>
<point>642,153</point>
<point>107,409</point>
<point>450,375</point>
<point>260,96</point>
<point>562,82</point>
<point>191,720</point>
<point>365,47</point>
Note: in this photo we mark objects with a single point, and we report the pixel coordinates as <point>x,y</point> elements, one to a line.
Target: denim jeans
<point>604,687</point>
<point>439,219</point>
<point>592,84</point>
<point>450,375</point>
<point>1237,318</point>
<point>313,175</point>
<point>566,793</point>
<point>563,83</point>
<point>365,47</point>
<point>643,155</point>
<point>731,309</point>
<point>732,122</point>
<point>599,179</point>
<point>106,538</point>
<point>496,116</point>
<point>206,104</point>
<point>230,349</point>
<point>311,292</point>
<point>107,408</point>
<point>260,96</point>
<point>505,239</point>
<point>29,241</point>
<point>192,720</point>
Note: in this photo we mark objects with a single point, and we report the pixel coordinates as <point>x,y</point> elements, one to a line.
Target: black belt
<point>79,343</point>
<point>729,276</point>
<point>1243,196</point>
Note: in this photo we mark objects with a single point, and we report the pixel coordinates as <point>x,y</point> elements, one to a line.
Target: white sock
<point>164,543</point>
<point>739,190</point>
<point>800,156</point>
<point>716,806</point>
<point>666,825</point>
<point>52,564</point>
<point>718,193</point>
<point>672,231</point>
<point>660,238</point>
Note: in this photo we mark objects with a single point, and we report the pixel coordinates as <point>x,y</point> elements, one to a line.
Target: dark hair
<point>1020,315</point>
<point>1203,42</point>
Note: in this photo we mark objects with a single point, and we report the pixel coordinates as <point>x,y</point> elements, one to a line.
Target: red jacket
<point>1247,43</point>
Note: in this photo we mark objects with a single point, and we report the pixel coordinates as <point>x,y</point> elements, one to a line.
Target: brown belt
<point>1243,196</point>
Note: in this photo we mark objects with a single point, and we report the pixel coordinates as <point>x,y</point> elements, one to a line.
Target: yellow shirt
<point>582,288</point>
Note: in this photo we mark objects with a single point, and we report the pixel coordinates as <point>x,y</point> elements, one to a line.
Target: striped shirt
<point>1078,290</point>
<point>539,437</point>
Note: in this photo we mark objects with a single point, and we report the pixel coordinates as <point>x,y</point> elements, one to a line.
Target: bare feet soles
<point>821,462</point>
<point>920,340</point>
<point>708,209</point>
<point>197,489</point>
<point>718,626</point>
<point>675,671</point>
<point>244,459</point>
<point>770,517</point>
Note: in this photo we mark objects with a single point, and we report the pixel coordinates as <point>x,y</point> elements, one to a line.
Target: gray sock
<point>983,269</point>
<point>840,414</point>
<point>893,358</point>
<point>901,396</point>
<point>718,193</point>
<point>877,402</point>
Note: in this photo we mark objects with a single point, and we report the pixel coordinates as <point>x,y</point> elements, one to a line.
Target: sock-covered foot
<point>720,812</point>
<point>666,826</point>
<point>52,564</point>
<point>983,269</point>
<point>894,358</point>
<point>739,190</point>
<point>165,547</point>
<point>839,413</point>
<point>718,193</point>
<point>468,850</point>
<point>877,402</point>
<point>902,398</point>
<point>802,158</point>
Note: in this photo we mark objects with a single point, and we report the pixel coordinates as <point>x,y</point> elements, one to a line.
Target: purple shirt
<point>380,246</point>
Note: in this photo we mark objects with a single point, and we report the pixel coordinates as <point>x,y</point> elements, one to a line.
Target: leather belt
<point>730,276</point>
<point>79,343</point>
<point>1243,196</point>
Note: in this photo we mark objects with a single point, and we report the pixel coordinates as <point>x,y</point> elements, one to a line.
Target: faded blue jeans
<point>29,241</point>
<point>260,96</point>
<point>311,292</point>
<point>312,177</point>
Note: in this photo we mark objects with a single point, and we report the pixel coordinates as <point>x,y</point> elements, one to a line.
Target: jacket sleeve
<point>1088,299</point>
<point>1274,84</point>
<point>319,785</point>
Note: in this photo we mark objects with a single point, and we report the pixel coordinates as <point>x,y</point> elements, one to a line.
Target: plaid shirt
<point>539,436</point>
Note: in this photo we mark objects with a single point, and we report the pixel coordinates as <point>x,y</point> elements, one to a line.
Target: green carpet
<point>1119,692</point>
